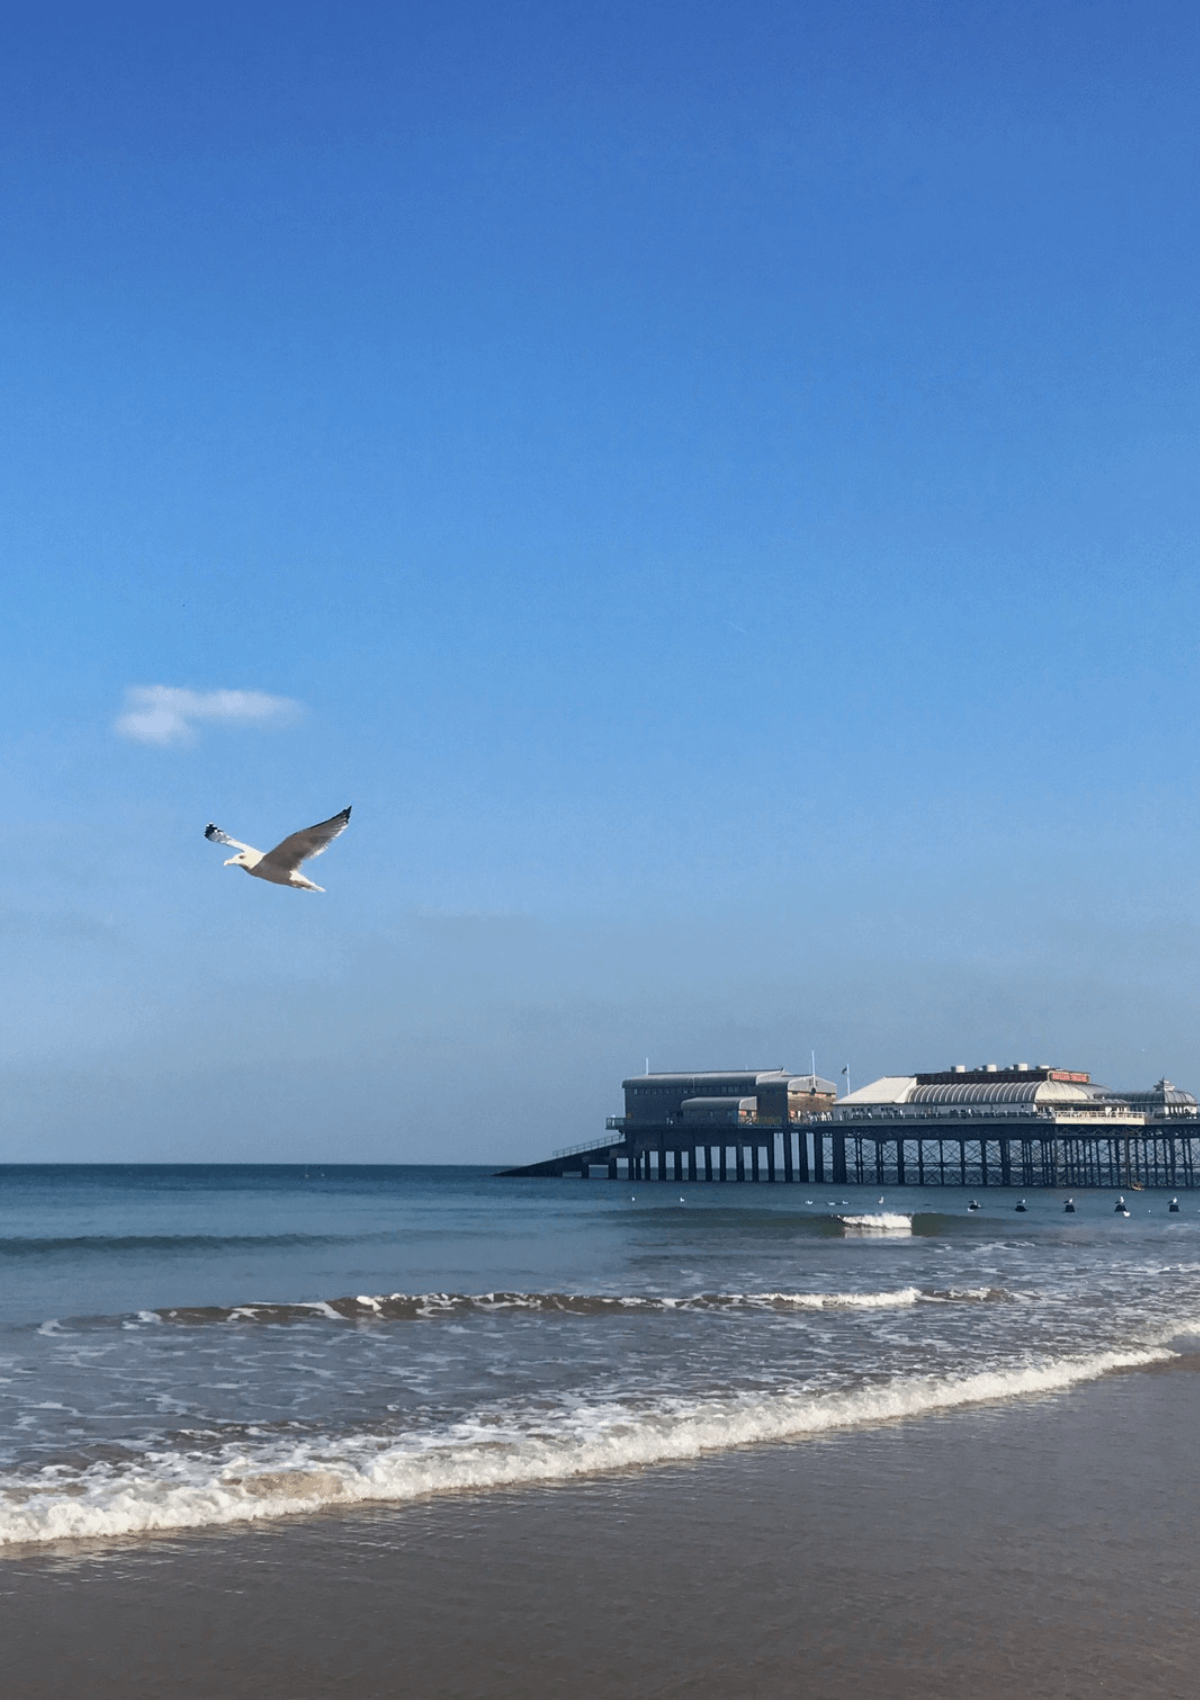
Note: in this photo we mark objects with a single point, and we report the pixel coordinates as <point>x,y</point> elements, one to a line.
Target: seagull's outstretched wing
<point>216,836</point>
<point>302,846</point>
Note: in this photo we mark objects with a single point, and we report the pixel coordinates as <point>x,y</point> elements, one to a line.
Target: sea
<point>199,1347</point>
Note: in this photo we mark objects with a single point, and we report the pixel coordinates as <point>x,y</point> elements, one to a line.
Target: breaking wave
<point>431,1307</point>
<point>276,1478</point>
<point>878,1222</point>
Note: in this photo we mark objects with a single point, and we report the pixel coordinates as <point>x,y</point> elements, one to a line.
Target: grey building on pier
<point>691,1124</point>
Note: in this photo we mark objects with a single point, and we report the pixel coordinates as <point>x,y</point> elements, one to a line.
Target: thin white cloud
<point>167,714</point>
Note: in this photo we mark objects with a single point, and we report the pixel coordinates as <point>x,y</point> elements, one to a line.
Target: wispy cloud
<point>167,714</point>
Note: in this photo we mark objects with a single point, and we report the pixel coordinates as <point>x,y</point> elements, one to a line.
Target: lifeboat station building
<point>712,1124</point>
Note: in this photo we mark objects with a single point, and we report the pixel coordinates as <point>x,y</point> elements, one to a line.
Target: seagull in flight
<point>282,865</point>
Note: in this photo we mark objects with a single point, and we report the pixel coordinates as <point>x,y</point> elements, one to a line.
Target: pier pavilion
<point>1016,1126</point>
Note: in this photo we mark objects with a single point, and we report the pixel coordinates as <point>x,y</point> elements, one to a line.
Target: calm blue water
<point>182,1346</point>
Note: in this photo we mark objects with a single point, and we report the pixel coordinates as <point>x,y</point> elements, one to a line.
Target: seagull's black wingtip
<point>346,811</point>
<point>210,830</point>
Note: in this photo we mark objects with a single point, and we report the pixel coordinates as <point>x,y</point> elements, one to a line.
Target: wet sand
<point>1046,1548</point>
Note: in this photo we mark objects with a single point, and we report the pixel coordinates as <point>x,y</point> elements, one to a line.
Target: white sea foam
<point>901,1297</point>
<point>880,1222</point>
<point>177,1491</point>
<point>434,1307</point>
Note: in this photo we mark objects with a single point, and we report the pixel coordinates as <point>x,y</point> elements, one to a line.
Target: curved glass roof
<point>1001,1092</point>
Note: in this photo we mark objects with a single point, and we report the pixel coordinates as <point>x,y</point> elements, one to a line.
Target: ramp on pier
<point>578,1160</point>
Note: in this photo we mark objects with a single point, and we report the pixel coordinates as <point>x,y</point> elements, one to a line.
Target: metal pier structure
<point>1020,1126</point>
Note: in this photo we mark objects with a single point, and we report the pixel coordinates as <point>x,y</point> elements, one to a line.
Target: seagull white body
<point>282,865</point>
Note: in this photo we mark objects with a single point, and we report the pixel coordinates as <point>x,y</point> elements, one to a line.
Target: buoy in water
<point>1121,1208</point>
<point>974,1205</point>
<point>1022,1207</point>
<point>1069,1207</point>
<point>1173,1207</point>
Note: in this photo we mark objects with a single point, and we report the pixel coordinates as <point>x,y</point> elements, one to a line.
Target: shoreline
<point>1044,1545</point>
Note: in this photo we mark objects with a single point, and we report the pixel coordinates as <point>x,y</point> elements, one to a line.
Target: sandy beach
<point>1044,1547</point>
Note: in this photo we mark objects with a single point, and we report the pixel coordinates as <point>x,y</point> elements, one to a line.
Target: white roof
<point>888,1089</point>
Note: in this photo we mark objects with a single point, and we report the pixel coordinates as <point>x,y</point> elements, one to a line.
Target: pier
<point>1019,1126</point>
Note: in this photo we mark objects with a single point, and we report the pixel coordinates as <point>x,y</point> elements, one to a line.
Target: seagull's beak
<point>232,860</point>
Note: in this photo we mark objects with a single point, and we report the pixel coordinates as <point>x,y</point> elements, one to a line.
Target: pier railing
<point>588,1145</point>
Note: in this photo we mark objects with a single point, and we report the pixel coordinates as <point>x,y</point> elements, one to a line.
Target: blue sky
<point>717,485</point>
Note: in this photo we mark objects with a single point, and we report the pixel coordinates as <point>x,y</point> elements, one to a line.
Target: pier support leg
<point>741,1160</point>
<point>789,1172</point>
<point>819,1157</point>
<point>771,1159</point>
